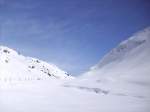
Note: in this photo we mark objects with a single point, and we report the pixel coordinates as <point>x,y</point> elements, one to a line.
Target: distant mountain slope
<point>124,71</point>
<point>131,57</point>
<point>137,40</point>
<point>14,66</point>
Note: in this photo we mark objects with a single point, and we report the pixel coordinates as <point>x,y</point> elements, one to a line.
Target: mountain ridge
<point>124,47</point>
<point>15,66</point>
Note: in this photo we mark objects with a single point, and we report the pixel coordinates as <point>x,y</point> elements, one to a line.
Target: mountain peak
<point>6,50</point>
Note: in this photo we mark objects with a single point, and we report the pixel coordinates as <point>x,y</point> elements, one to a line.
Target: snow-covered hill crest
<point>138,39</point>
<point>129,61</point>
<point>14,66</point>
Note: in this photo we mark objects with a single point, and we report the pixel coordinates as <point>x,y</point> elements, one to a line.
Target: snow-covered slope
<point>124,71</point>
<point>119,83</point>
<point>129,60</point>
<point>140,39</point>
<point>14,66</point>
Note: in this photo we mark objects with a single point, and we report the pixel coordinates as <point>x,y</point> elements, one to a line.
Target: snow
<point>120,82</point>
<point>37,96</point>
<point>124,71</point>
<point>15,66</point>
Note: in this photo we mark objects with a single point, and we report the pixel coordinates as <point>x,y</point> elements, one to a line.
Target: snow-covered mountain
<point>140,39</point>
<point>120,82</point>
<point>14,66</point>
<point>129,60</point>
<point>124,71</point>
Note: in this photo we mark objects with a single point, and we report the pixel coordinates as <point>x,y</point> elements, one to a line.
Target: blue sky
<point>73,34</point>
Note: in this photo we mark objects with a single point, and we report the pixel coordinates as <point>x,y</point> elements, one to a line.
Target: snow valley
<point>120,82</point>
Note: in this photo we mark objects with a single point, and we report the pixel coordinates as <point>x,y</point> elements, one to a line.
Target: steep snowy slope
<point>124,71</point>
<point>130,59</point>
<point>14,66</point>
<point>119,53</point>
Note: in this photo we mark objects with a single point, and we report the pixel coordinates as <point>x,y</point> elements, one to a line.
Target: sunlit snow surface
<point>14,66</point>
<point>120,82</point>
<point>122,75</point>
<point>52,96</point>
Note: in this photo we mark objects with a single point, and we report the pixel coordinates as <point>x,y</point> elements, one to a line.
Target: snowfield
<point>120,82</point>
<point>52,96</point>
